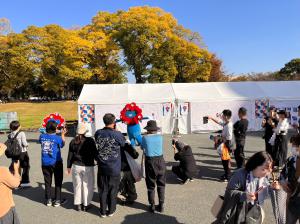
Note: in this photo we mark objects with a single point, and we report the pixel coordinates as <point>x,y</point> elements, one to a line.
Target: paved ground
<point>188,204</point>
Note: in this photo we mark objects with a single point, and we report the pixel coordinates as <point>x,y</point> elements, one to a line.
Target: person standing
<point>15,128</point>
<point>187,169</point>
<point>281,140</point>
<point>108,142</point>
<point>155,167</point>
<point>81,162</point>
<point>8,181</point>
<point>239,130</point>
<point>52,163</point>
<point>227,134</point>
<point>269,123</point>
<point>289,180</point>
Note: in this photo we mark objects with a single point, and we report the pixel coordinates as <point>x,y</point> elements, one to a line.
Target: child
<point>239,129</point>
<point>155,167</point>
<point>227,138</point>
<point>15,128</point>
<point>289,177</point>
<point>52,163</point>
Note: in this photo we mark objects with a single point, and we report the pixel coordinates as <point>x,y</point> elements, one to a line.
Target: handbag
<point>134,167</point>
<point>294,202</point>
<point>216,208</point>
<point>255,215</point>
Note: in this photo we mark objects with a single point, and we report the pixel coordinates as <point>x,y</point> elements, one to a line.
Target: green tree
<point>290,71</point>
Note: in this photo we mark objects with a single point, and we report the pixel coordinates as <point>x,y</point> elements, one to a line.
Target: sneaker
<point>111,214</point>
<point>152,208</point>
<point>179,179</point>
<point>85,208</point>
<point>185,182</point>
<point>161,208</point>
<point>58,203</point>
<point>25,185</point>
<point>48,202</point>
<point>191,180</point>
<point>224,179</point>
<point>78,208</point>
<point>102,216</point>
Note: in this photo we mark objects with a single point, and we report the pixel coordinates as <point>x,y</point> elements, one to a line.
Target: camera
<point>205,119</point>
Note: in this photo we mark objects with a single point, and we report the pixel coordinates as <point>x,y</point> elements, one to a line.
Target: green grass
<point>31,115</point>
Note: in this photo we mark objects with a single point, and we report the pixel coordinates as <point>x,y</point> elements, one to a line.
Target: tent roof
<point>125,93</point>
<point>189,92</point>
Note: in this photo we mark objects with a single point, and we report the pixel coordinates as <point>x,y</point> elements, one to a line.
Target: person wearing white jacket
<point>281,139</point>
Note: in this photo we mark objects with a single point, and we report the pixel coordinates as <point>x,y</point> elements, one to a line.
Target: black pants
<point>108,190</point>
<point>269,147</point>
<point>239,154</point>
<point>25,165</point>
<point>180,173</point>
<point>280,150</point>
<point>155,169</point>
<point>127,186</point>
<point>226,167</point>
<point>48,171</point>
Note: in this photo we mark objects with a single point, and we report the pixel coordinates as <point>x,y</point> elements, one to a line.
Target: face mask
<point>294,151</point>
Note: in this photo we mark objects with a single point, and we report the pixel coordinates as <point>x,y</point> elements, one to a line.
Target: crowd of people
<point>266,173</point>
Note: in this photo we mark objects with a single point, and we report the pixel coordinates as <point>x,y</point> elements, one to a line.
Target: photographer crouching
<point>187,169</point>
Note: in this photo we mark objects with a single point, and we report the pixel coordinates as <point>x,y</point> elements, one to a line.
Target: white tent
<point>153,99</point>
<point>189,102</point>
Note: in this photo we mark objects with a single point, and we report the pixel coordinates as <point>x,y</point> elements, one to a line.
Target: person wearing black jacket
<point>269,123</point>
<point>81,158</point>
<point>186,169</point>
<point>127,186</point>
<point>239,130</point>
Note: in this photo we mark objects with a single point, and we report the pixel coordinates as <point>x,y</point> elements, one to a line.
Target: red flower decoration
<point>56,117</point>
<point>131,108</point>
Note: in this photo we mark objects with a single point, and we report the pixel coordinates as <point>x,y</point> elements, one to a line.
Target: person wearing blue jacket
<point>52,163</point>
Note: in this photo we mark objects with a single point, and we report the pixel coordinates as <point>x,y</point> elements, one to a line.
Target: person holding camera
<point>227,134</point>
<point>269,123</point>
<point>187,169</point>
<point>16,132</point>
<point>52,163</point>
<point>8,181</point>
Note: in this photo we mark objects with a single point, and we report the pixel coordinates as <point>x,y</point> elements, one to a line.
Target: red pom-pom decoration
<point>55,117</point>
<point>131,114</point>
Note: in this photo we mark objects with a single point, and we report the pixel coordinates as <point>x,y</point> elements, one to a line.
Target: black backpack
<point>14,148</point>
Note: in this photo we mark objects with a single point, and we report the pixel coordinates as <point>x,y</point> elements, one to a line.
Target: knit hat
<point>179,145</point>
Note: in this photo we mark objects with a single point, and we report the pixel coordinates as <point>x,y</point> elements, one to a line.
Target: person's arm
<point>63,133</point>
<point>23,140</point>
<point>12,180</point>
<point>176,156</point>
<point>70,158</point>
<point>214,120</point>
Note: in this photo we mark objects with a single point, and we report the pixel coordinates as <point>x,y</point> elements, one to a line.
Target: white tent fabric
<point>197,100</point>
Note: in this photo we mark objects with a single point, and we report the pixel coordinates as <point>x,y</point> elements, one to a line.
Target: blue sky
<point>249,36</point>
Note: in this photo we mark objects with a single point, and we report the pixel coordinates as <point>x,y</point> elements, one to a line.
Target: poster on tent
<point>87,113</point>
<point>167,109</point>
<point>214,109</point>
<point>183,109</point>
<point>290,106</point>
<point>261,108</point>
